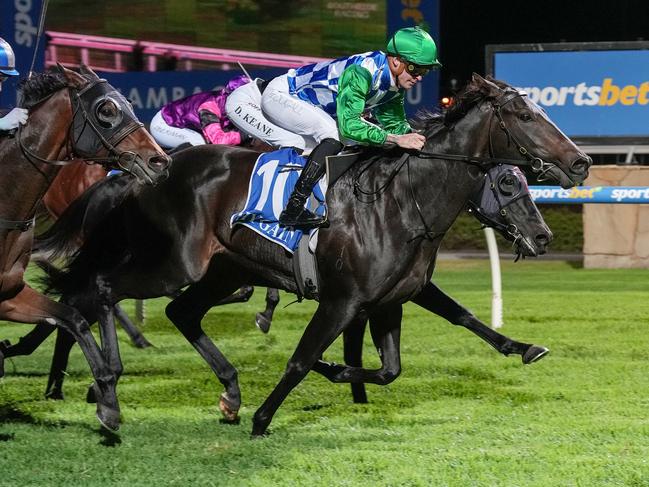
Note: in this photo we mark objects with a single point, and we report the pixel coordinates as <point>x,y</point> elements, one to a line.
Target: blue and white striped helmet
<point>7,59</point>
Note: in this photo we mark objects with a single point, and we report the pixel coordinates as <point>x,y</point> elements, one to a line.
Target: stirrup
<point>303,219</point>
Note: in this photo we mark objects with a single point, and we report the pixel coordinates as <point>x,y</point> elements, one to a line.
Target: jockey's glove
<point>16,117</point>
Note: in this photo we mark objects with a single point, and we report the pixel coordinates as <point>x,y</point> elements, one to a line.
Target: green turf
<point>459,415</point>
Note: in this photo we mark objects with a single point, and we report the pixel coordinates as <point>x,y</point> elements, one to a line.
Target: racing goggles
<point>415,70</point>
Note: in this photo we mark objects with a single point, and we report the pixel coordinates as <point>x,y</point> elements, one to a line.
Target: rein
<point>536,164</point>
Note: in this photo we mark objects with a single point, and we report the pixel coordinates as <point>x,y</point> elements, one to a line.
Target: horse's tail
<point>79,219</point>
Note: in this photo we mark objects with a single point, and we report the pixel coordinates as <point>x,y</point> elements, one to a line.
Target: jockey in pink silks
<point>197,119</point>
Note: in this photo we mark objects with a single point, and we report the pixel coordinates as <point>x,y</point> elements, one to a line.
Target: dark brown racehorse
<point>503,203</point>
<point>388,215</point>
<point>72,117</point>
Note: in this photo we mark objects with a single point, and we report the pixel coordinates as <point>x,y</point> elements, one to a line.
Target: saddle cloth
<point>272,181</point>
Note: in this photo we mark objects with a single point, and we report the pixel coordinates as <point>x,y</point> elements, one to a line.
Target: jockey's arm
<point>353,87</point>
<point>210,117</point>
<point>392,117</point>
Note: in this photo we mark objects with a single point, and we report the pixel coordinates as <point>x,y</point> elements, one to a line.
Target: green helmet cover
<point>415,45</point>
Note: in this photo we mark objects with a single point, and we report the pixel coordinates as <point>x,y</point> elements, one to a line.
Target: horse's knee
<point>388,375</point>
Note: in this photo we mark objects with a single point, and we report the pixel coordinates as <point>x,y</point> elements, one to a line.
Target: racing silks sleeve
<point>353,86</point>
<point>392,116</point>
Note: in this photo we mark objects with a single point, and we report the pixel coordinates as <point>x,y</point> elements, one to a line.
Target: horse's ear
<point>486,86</point>
<point>73,78</point>
<point>86,71</point>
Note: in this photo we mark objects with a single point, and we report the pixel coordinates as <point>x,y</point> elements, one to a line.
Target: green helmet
<point>415,45</point>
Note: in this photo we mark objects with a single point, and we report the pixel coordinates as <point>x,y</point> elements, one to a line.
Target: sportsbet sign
<point>589,90</point>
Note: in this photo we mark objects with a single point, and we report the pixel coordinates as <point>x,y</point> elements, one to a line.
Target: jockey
<point>17,116</point>
<point>324,103</point>
<point>197,119</point>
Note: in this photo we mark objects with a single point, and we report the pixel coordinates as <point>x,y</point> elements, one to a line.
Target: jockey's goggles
<point>415,70</point>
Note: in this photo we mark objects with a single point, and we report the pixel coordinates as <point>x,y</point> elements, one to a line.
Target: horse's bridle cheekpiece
<point>90,130</point>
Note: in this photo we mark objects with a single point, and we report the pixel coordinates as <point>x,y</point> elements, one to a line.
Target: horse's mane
<point>40,86</point>
<point>473,93</point>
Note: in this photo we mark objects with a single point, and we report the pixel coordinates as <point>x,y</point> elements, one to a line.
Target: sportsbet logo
<point>606,94</point>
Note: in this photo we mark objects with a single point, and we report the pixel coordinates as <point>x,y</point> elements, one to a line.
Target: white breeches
<point>278,118</point>
<point>170,137</point>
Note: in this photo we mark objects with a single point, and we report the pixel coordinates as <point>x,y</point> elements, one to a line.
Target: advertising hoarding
<point>595,92</point>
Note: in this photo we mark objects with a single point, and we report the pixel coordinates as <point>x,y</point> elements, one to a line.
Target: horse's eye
<point>108,114</point>
<point>509,185</point>
<point>525,117</point>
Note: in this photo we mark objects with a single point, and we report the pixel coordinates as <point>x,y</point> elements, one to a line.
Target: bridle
<point>84,142</point>
<point>503,200</point>
<point>535,163</point>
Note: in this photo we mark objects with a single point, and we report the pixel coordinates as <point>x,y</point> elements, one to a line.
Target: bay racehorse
<point>72,117</point>
<point>388,215</point>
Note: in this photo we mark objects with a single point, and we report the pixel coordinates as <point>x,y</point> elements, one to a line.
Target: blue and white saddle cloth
<point>271,183</point>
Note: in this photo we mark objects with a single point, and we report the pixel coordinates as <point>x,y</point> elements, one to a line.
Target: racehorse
<point>388,215</point>
<point>72,117</point>
<point>503,202</point>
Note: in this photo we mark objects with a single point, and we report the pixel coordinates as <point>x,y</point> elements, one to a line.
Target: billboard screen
<point>593,92</point>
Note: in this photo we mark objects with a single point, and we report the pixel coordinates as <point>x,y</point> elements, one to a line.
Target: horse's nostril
<point>542,240</point>
<point>581,165</point>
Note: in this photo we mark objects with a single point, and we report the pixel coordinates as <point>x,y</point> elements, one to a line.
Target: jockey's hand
<point>16,117</point>
<point>407,141</point>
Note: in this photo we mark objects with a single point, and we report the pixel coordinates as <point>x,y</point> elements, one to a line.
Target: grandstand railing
<point>117,55</point>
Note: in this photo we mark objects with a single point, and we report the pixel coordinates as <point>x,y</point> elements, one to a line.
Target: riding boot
<point>295,214</point>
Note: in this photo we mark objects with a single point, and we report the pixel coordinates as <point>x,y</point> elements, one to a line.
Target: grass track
<point>459,415</point>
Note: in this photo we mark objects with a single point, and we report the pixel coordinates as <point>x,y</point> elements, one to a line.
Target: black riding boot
<point>295,214</point>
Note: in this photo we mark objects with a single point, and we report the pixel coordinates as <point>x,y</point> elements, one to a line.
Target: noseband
<point>86,136</point>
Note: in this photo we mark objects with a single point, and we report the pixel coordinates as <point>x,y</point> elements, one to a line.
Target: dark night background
<point>466,27</point>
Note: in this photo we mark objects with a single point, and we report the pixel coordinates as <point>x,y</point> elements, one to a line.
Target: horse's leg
<point>62,347</point>
<point>353,353</point>
<point>328,322</point>
<point>26,344</point>
<point>241,296</point>
<point>186,312</point>
<point>28,306</point>
<point>434,299</point>
<point>264,319</point>
<point>385,327</point>
<point>136,336</point>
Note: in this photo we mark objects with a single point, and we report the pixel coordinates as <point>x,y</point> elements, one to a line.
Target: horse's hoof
<point>142,343</point>
<point>91,395</point>
<point>229,409</point>
<point>534,354</point>
<point>262,323</point>
<point>4,345</point>
<point>108,417</point>
<point>55,395</point>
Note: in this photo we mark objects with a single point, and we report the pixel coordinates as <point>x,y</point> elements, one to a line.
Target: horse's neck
<point>24,179</point>
<point>444,187</point>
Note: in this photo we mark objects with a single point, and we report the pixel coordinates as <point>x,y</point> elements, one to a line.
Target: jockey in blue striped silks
<point>324,103</point>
